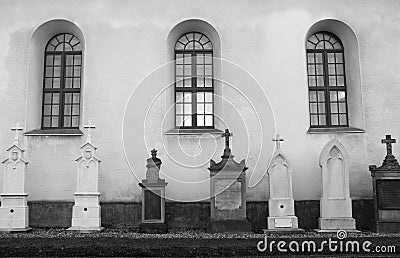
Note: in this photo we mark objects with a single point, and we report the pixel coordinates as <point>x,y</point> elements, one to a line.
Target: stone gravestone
<point>386,187</point>
<point>335,206</point>
<point>281,203</point>
<point>86,216</point>
<point>153,198</point>
<point>228,193</point>
<point>14,212</point>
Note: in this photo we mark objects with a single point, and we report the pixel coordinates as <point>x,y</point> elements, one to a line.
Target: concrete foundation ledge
<point>387,227</point>
<point>220,226</point>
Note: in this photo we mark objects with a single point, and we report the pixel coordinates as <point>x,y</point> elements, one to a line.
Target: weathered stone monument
<point>14,212</point>
<point>281,203</point>
<point>153,198</point>
<point>86,211</point>
<point>335,206</point>
<point>386,187</point>
<point>228,193</point>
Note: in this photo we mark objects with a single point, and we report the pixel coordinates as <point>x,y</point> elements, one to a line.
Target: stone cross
<point>16,128</point>
<point>278,141</point>
<point>388,141</point>
<point>226,134</point>
<point>89,131</point>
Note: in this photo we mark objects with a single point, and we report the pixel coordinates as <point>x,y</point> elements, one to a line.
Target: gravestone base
<point>220,226</point>
<point>335,224</point>
<point>153,228</point>
<point>283,223</point>
<point>387,226</point>
<point>86,213</point>
<point>14,212</point>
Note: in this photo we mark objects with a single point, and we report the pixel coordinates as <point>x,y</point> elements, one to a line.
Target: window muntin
<point>326,81</point>
<point>194,86</point>
<point>62,82</point>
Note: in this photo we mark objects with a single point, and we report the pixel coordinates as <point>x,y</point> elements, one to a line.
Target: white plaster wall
<point>125,41</point>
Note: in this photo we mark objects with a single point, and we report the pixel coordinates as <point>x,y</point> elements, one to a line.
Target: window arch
<point>194,85</point>
<point>326,81</point>
<point>62,82</point>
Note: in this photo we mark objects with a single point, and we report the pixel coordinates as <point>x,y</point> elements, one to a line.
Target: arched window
<point>62,82</point>
<point>326,81</point>
<point>194,86</point>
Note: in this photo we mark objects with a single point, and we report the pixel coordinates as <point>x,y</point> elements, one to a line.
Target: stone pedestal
<point>14,212</point>
<point>335,206</point>
<point>86,215</point>
<point>153,198</point>
<point>386,186</point>
<point>281,203</point>
<point>228,194</point>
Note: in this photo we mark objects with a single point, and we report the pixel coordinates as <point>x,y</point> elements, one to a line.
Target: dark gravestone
<point>152,202</point>
<point>153,198</point>
<point>386,186</point>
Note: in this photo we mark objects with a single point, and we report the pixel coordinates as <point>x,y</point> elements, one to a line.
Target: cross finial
<point>388,141</point>
<point>226,134</point>
<point>278,141</point>
<point>153,153</point>
<point>89,128</point>
<point>16,128</point>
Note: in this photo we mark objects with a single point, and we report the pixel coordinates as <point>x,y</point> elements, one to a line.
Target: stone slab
<point>387,227</point>
<point>220,226</point>
<point>85,230</point>
<point>15,230</point>
<point>336,224</point>
<point>153,228</point>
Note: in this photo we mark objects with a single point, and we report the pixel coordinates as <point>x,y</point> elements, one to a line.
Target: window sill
<point>177,131</point>
<point>54,132</point>
<point>335,130</point>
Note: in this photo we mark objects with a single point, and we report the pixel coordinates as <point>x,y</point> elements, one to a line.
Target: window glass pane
<point>200,120</point>
<point>70,60</point>
<point>68,98</point>
<point>179,69</point>
<point>313,95</point>
<point>67,110</point>
<point>197,45</point>
<point>200,81</point>
<point>314,119</point>
<point>188,59</point>
<point>310,58</point>
<point>49,60</point>
<point>179,109</point>
<point>56,98</point>
<point>343,119</point>
<point>332,80</point>
<point>67,121</point>
<point>47,98</point>
<point>333,95</point>
<point>200,59</point>
<point>57,71</point>
<point>208,59</point>
<point>322,119</point>
<point>179,82</point>
<point>47,83</point>
<point>340,81</point>
<point>334,108</point>
<point>75,110</point>
<point>331,58</point>
<point>208,82</point>
<point>56,83</point>
<point>321,108</point>
<point>68,83</point>
<point>319,69</point>
<point>179,121</point>
<point>47,110</point>
<point>179,97</point>
<point>77,71</point>
<point>339,58</point>
<point>55,110</point>
<point>334,120</point>
<point>75,98</point>
<point>321,96</point>
<point>77,82</point>
<point>341,96</point>
<point>49,71</point>
<point>187,121</point>
<point>331,69</point>
<point>320,81</point>
<point>342,107</point>
<point>339,69</point>
<point>188,82</point>
<point>188,109</point>
<point>200,108</point>
<point>46,121</point>
<point>208,108</point>
<point>54,121</point>
<point>187,97</point>
<point>75,121</point>
<point>313,108</point>
<point>200,96</point>
<point>208,120</point>
<point>200,70</point>
<point>208,70</point>
<point>57,60</point>
<point>311,81</point>
<point>209,96</point>
<point>77,60</point>
<point>311,70</point>
<point>318,58</point>
<point>188,70</point>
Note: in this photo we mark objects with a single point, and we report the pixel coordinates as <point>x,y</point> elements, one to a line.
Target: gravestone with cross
<point>14,212</point>
<point>86,215</point>
<point>228,193</point>
<point>281,203</point>
<point>386,188</point>
<point>335,203</point>
<point>153,198</point>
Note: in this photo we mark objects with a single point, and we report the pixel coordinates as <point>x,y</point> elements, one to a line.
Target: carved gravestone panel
<point>230,194</point>
<point>152,200</point>
<point>388,193</point>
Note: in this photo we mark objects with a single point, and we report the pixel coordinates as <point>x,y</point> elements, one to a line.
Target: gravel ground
<point>194,243</point>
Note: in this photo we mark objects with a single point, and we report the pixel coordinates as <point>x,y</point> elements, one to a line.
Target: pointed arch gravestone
<point>281,203</point>
<point>335,206</point>
<point>86,211</point>
<point>14,212</point>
